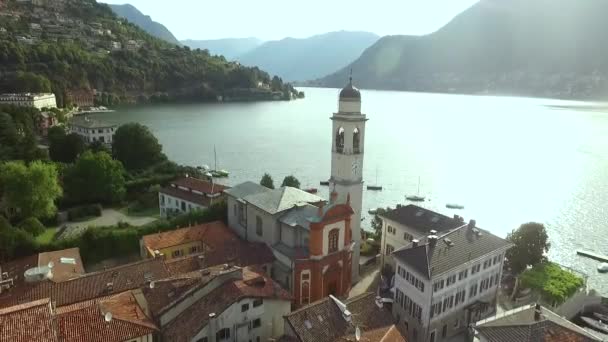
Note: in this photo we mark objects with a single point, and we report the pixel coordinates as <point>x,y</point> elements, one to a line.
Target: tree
<point>32,190</point>
<point>136,147</point>
<point>32,226</point>
<point>14,242</point>
<point>95,177</point>
<point>98,146</point>
<point>9,137</point>
<point>377,222</point>
<point>291,181</point>
<point>64,148</point>
<point>531,244</point>
<point>267,181</point>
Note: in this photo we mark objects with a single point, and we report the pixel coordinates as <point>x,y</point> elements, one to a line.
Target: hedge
<point>553,283</point>
<point>84,211</point>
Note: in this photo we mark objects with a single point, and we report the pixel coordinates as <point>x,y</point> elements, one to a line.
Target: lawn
<point>554,283</point>
<point>147,212</point>
<point>47,236</point>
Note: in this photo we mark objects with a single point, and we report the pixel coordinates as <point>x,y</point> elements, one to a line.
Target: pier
<point>592,255</point>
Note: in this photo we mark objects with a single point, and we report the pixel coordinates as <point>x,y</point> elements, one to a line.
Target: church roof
<point>300,216</point>
<point>281,199</point>
<point>246,189</point>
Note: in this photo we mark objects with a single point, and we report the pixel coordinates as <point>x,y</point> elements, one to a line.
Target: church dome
<point>349,92</point>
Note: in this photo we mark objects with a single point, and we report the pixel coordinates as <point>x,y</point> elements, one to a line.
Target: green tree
<point>98,146</point>
<point>377,222</point>
<point>291,181</point>
<point>9,137</point>
<point>65,148</point>
<point>95,177</point>
<point>14,242</point>
<point>267,181</point>
<point>136,147</point>
<point>32,226</point>
<point>32,190</point>
<point>531,244</point>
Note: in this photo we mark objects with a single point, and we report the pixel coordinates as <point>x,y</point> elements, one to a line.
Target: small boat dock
<point>592,255</point>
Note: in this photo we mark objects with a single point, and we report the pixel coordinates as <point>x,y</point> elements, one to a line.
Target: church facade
<point>315,242</point>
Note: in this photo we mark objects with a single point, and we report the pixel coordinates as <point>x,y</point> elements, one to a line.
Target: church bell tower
<point>348,147</point>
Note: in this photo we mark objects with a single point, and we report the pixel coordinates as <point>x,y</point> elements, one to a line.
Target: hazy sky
<point>276,19</point>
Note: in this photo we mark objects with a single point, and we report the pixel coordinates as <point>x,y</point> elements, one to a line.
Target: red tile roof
<point>253,285</point>
<point>200,185</point>
<point>86,321</point>
<point>222,246</point>
<point>31,322</point>
<point>88,286</point>
<point>190,197</point>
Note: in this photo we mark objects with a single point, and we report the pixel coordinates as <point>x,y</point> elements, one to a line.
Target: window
<point>475,269</point>
<point>451,280</point>
<point>444,331</point>
<point>389,249</point>
<point>421,286</point>
<point>257,302</point>
<point>100,131</point>
<point>235,212</point>
<point>473,291</point>
<point>183,206</point>
<point>162,199</point>
<point>305,293</point>
<point>407,237</point>
<point>102,139</point>
<point>242,216</point>
<point>258,226</point>
<point>432,338</point>
<point>176,253</point>
<point>244,307</point>
<point>305,276</point>
<point>340,140</point>
<point>356,139</point>
<point>463,274</point>
<point>333,241</point>
<point>496,279</point>
<point>193,249</point>
<point>204,339</point>
<point>257,323</point>
<point>457,324</point>
<point>223,334</point>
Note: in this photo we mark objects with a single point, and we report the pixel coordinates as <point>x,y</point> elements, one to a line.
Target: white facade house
<point>405,223</point>
<point>188,194</point>
<point>348,147</point>
<point>445,282</point>
<point>92,130</point>
<point>38,101</point>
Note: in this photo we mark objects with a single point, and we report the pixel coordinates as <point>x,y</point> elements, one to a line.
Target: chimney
<point>212,327</point>
<point>415,242</point>
<point>433,232</point>
<point>320,211</point>
<point>110,287</point>
<point>537,312</point>
<point>348,199</point>
<point>432,240</point>
<point>472,224</point>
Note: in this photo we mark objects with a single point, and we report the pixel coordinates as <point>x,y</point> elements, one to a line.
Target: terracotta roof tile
<point>200,185</point>
<point>324,321</point>
<point>89,286</point>
<point>86,321</point>
<point>31,322</point>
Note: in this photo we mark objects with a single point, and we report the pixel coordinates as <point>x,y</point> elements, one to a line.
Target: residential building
<point>531,323</point>
<point>347,151</point>
<point>82,98</point>
<point>45,121</point>
<point>29,100</point>
<point>402,225</point>
<point>218,304</point>
<point>56,267</point>
<point>118,318</point>
<point>330,320</point>
<point>92,130</point>
<point>187,194</point>
<point>203,246</point>
<point>311,241</point>
<point>131,45</point>
<point>445,282</point>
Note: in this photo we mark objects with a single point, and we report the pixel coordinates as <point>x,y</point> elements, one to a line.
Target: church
<point>315,242</point>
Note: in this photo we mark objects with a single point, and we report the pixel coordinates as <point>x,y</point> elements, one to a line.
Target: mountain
<point>228,47</point>
<point>75,46</point>
<point>554,48</point>
<point>154,28</point>
<point>309,58</point>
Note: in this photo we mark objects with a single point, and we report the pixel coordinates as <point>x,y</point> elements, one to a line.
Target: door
<point>432,337</point>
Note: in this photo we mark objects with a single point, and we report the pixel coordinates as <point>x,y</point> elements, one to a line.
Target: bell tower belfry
<point>348,147</point>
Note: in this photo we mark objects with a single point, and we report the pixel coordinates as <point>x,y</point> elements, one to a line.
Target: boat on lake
<point>603,268</point>
<point>603,318</point>
<point>375,187</point>
<point>417,197</point>
<point>217,173</point>
<point>373,211</point>
<point>311,190</point>
<point>324,183</point>
<point>454,206</point>
<point>596,324</point>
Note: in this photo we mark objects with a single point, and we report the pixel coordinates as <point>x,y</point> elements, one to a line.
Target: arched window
<point>356,140</point>
<point>333,241</point>
<point>305,295</point>
<point>340,140</point>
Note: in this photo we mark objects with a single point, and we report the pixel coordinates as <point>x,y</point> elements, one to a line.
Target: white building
<point>444,283</point>
<point>92,130</point>
<point>187,194</point>
<point>29,100</point>
<point>348,147</point>
<point>406,223</point>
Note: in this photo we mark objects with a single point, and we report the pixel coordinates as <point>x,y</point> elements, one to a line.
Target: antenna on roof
<point>357,334</point>
<point>108,317</point>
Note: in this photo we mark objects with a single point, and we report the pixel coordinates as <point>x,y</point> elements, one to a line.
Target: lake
<point>508,160</point>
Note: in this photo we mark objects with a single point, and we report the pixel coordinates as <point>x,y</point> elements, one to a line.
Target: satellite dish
<point>51,264</point>
<point>108,317</point>
<point>357,334</point>
<point>151,284</point>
